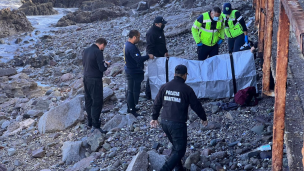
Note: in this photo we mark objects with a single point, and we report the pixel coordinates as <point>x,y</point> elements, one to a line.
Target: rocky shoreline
<point>43,125</point>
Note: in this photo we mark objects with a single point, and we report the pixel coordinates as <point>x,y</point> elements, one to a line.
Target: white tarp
<point>211,78</point>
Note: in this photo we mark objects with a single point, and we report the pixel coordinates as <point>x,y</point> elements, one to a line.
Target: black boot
<point>99,129</point>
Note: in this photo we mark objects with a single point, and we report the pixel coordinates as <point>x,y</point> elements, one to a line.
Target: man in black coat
<point>175,97</point>
<point>94,66</point>
<point>156,44</point>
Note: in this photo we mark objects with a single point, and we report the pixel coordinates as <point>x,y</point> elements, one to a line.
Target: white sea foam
<point>12,4</point>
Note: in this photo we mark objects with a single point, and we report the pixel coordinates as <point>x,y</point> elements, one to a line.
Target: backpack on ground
<point>245,96</point>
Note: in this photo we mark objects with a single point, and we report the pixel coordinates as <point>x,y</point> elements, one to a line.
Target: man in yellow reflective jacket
<point>235,28</point>
<point>208,33</point>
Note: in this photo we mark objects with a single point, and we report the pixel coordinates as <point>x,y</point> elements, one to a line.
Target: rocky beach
<point>42,117</point>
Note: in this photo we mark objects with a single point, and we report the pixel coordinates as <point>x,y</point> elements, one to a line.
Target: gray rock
<point>8,72</point>
<point>192,159</point>
<point>62,117</point>
<point>156,160</point>
<point>123,109</point>
<point>106,146</point>
<point>2,41</point>
<point>2,168</point>
<point>11,152</point>
<point>142,5</point>
<point>248,167</point>
<point>119,121</point>
<point>211,126</point>
<point>17,163</point>
<point>39,153</point>
<point>112,154</point>
<point>5,124</point>
<point>82,164</point>
<point>29,8</point>
<point>18,40</point>
<point>258,129</point>
<point>266,155</point>
<point>13,22</point>
<point>214,109</point>
<point>48,92</point>
<point>218,155</point>
<point>72,152</point>
<point>34,113</point>
<point>139,162</point>
<point>193,167</point>
<point>96,140</point>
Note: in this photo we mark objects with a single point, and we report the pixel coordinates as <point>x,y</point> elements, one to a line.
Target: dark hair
<point>133,33</point>
<point>217,10</point>
<point>101,41</point>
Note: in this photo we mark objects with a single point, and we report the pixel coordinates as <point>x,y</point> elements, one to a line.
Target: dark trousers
<point>177,135</point>
<point>93,100</point>
<point>234,44</point>
<point>204,51</point>
<point>134,85</point>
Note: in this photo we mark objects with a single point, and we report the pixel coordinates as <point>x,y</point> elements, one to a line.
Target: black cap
<point>181,69</point>
<point>160,19</point>
<point>227,8</point>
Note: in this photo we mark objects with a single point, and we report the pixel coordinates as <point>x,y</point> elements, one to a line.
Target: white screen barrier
<point>211,78</point>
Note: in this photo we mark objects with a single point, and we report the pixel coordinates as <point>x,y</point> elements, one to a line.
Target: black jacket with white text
<point>175,98</point>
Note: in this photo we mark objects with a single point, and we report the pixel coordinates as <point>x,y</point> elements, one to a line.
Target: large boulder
<point>156,160</point>
<point>91,16</point>
<point>93,5</point>
<point>62,117</point>
<point>139,162</point>
<point>13,22</point>
<point>72,152</point>
<point>119,121</point>
<point>96,140</point>
<point>7,72</point>
<point>29,8</point>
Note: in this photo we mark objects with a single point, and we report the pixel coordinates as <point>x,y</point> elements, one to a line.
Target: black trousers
<point>177,135</point>
<point>93,100</point>
<point>234,44</point>
<point>134,85</point>
<point>204,51</point>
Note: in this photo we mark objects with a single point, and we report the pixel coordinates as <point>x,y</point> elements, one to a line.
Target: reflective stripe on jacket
<point>203,32</point>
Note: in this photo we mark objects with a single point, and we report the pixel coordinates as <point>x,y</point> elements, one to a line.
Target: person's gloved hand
<point>246,39</point>
<point>220,41</point>
<point>199,44</point>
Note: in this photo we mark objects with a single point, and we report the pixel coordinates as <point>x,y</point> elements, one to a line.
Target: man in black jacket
<point>156,44</point>
<point>134,70</point>
<point>175,97</point>
<point>94,66</point>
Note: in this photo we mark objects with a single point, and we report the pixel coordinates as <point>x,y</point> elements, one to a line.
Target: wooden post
<point>257,13</point>
<point>280,91</point>
<point>261,29</point>
<point>268,46</point>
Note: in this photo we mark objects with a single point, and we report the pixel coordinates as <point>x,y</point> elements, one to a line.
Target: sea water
<point>44,24</point>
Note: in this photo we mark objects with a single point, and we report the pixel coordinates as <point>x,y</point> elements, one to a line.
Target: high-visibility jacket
<point>206,35</point>
<point>233,30</point>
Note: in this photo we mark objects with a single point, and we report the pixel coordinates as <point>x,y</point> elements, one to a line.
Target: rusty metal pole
<point>268,46</point>
<point>280,91</point>
<point>257,13</point>
<point>261,29</point>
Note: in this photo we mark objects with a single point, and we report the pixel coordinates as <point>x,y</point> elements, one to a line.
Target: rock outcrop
<point>62,117</point>
<point>13,22</point>
<point>89,17</point>
<point>29,8</point>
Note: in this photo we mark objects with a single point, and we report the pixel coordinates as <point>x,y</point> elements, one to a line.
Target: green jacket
<point>202,32</point>
<point>233,30</point>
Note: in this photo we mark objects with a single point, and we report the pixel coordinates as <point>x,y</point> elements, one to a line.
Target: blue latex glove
<point>220,42</point>
<point>199,44</point>
<point>246,39</point>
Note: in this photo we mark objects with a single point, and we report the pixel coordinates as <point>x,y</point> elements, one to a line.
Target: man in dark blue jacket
<point>94,66</point>
<point>134,70</point>
<point>156,44</point>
